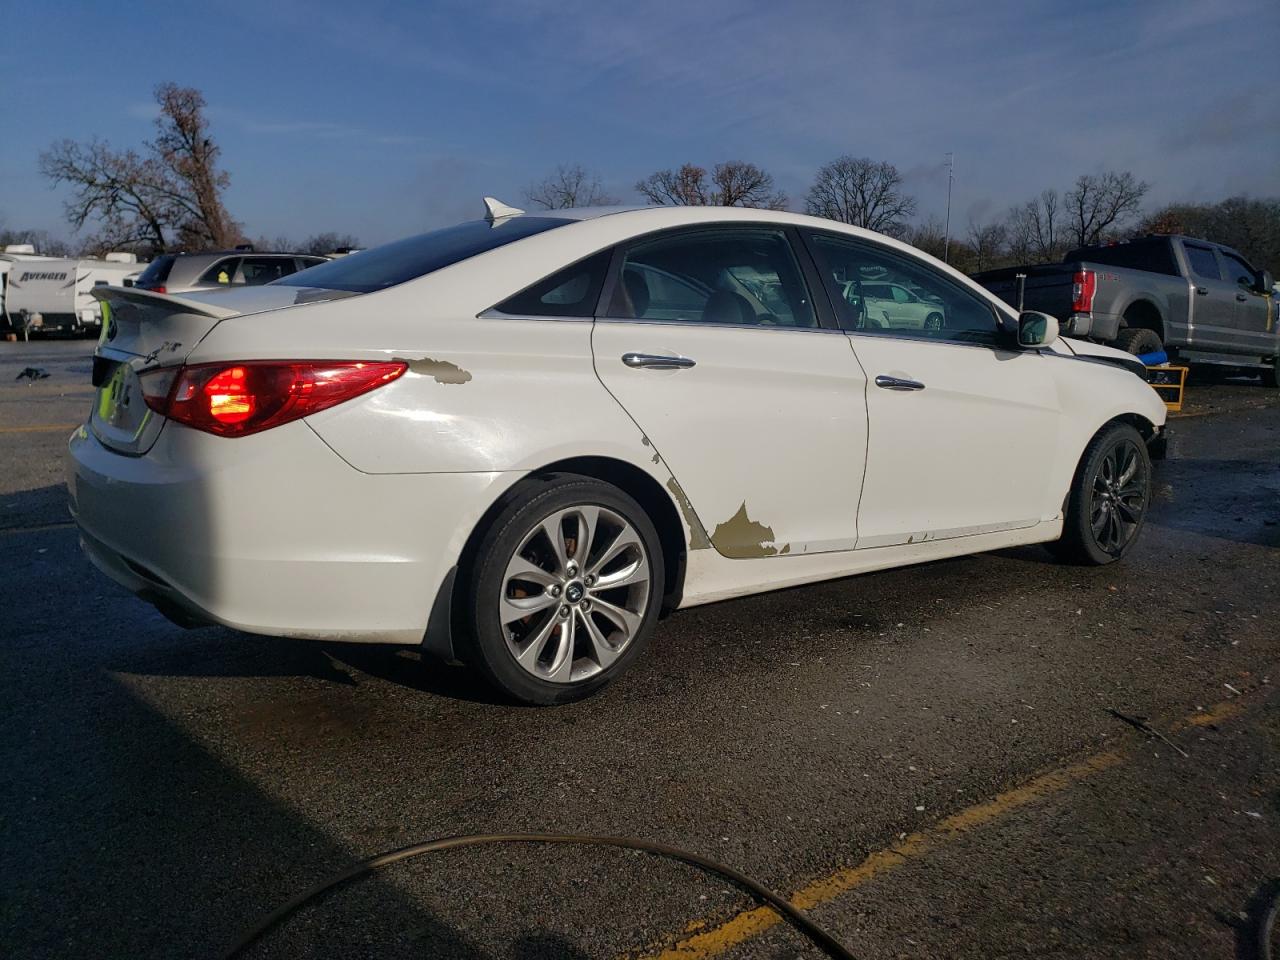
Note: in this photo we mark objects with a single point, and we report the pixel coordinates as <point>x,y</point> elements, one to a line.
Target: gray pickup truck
<point>1198,301</point>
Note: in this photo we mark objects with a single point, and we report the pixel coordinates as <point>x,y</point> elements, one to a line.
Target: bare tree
<point>322,243</point>
<point>739,184</point>
<point>569,186</point>
<point>987,242</point>
<point>1099,203</point>
<point>121,191</point>
<point>187,152</point>
<point>860,191</point>
<point>169,195</point>
<point>928,237</point>
<point>684,187</point>
<point>45,245</point>
<point>731,184</point>
<point>1252,226</point>
<point>1034,229</point>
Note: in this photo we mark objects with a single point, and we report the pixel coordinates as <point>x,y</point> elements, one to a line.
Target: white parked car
<point>519,441</point>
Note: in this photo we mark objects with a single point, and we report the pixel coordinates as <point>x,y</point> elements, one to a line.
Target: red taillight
<point>1083,286</point>
<point>154,288</point>
<point>236,399</point>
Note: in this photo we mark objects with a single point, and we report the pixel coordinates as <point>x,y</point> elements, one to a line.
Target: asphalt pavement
<point>925,758</point>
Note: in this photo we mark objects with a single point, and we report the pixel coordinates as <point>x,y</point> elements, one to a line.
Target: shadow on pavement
<point>134,841</point>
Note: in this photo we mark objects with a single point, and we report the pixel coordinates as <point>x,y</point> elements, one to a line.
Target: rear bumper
<point>274,533</point>
<point>1096,326</point>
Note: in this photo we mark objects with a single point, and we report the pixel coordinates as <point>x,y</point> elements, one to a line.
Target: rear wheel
<point>1107,505</point>
<point>564,590</point>
<point>1139,340</point>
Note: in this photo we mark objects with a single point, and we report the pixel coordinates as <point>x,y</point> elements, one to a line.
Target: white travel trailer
<point>44,294</point>
<point>13,253</point>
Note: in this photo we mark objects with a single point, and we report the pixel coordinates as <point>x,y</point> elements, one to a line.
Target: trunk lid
<point>141,330</point>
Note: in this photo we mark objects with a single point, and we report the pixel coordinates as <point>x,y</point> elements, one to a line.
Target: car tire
<point>1271,374</point>
<point>1139,340</point>
<point>1107,506</point>
<point>933,321</point>
<point>591,608</point>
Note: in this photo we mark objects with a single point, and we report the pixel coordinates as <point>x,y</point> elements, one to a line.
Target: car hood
<point>1098,352</point>
<point>268,297</point>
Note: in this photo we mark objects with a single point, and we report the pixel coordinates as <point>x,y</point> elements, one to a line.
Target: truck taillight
<point>1083,286</point>
<point>237,399</point>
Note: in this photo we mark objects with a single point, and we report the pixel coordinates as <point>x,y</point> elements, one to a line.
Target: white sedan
<point>519,441</point>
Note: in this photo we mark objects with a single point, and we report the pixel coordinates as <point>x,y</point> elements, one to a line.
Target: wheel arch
<point>1143,313</point>
<point>644,488</point>
<point>1146,429</point>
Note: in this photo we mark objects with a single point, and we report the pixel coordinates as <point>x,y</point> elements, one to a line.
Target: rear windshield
<point>413,257</point>
<point>1156,256</point>
<point>157,272</point>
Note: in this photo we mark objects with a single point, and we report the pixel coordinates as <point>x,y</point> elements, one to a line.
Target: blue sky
<point>384,119</point>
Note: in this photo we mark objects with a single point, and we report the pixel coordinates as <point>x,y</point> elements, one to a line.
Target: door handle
<point>1202,291</point>
<point>653,361</point>
<point>898,383</point>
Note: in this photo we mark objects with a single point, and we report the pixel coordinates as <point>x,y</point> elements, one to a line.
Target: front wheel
<point>1107,505</point>
<point>564,590</point>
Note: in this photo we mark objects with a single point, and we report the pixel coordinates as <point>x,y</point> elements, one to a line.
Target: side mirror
<point>1265,282</point>
<point>1036,329</point>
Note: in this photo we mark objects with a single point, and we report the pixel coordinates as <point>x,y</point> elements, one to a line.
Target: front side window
<point>727,276</point>
<point>1203,262</point>
<point>871,284</point>
<point>571,292</point>
<point>1239,271</point>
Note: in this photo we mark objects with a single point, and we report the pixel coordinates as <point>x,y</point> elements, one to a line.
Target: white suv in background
<point>185,272</point>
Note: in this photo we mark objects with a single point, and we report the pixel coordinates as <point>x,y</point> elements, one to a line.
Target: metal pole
<point>946,234</point>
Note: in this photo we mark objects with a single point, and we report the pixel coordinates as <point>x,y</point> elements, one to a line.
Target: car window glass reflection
<point>878,291</point>
<point>742,277</point>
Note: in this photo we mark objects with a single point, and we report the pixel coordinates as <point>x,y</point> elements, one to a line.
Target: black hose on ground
<point>820,938</point>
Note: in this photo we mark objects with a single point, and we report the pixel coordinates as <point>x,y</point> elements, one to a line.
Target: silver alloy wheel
<point>1119,497</point>
<point>574,593</point>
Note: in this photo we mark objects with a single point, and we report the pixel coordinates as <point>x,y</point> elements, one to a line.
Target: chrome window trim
<point>703,325</point>
<point>881,335</point>
<point>493,313</point>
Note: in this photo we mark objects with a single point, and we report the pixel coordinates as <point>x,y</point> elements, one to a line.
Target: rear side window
<point>1203,262</point>
<point>157,272</point>
<point>739,276</point>
<point>571,292</point>
<point>407,259</point>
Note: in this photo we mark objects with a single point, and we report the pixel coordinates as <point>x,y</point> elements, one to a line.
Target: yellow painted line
<point>1207,718</point>
<point>750,923</point>
<point>41,428</point>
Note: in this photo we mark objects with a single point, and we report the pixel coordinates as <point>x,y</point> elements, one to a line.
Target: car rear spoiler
<point>139,326</point>
<point>149,298</point>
